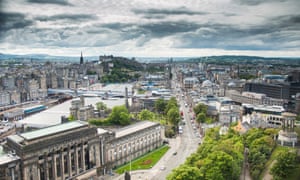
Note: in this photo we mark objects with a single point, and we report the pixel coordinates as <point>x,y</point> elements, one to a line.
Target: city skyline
<point>151,29</point>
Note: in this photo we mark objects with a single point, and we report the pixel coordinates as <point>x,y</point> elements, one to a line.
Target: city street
<point>181,147</point>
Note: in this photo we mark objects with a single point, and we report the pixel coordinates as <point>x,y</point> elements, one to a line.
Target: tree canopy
<point>146,115</point>
<point>185,172</point>
<point>119,116</point>
<point>218,157</point>
<point>285,164</point>
<point>200,108</point>
<point>160,105</point>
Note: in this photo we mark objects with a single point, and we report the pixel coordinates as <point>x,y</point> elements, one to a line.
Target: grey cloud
<point>71,17</point>
<point>256,2</point>
<point>288,21</point>
<point>167,28</point>
<point>269,36</point>
<point>156,29</point>
<point>181,11</point>
<point>57,2</point>
<point>116,26</point>
<point>9,20</point>
<point>162,13</point>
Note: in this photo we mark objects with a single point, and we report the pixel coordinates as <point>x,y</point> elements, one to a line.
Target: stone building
<point>4,98</point>
<point>133,141</point>
<point>81,112</point>
<point>57,152</point>
<point>69,150</point>
<point>9,166</point>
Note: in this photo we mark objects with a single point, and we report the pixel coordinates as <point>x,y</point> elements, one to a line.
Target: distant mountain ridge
<point>46,57</point>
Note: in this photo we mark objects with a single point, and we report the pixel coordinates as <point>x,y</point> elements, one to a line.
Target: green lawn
<point>144,162</point>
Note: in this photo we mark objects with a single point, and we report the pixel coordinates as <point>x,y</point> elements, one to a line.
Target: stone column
<point>82,157</point>
<point>62,165</point>
<point>69,162</point>
<point>54,166</point>
<point>46,170</point>
<point>76,159</point>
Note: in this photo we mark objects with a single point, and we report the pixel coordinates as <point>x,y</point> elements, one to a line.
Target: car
<point>175,153</point>
<point>162,168</point>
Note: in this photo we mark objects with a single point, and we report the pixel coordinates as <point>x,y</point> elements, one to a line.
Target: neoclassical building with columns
<point>57,152</point>
<point>68,150</point>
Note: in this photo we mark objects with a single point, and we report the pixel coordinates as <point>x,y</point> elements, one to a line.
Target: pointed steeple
<point>81,58</point>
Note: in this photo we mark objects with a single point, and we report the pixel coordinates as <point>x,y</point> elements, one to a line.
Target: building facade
<point>133,141</point>
<point>69,150</point>
<point>56,152</point>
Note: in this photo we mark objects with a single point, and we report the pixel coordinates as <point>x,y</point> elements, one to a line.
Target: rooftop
<point>48,131</point>
<point>134,127</point>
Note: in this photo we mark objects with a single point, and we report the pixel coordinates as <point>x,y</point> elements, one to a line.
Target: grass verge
<point>144,162</point>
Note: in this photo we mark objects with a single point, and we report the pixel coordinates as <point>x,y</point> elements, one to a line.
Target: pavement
<point>184,145</point>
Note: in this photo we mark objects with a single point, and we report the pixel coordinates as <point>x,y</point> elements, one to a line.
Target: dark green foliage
<point>160,105</point>
<point>184,172</point>
<point>100,122</point>
<point>200,108</point>
<point>219,157</point>
<point>146,115</point>
<point>261,144</point>
<point>124,70</point>
<point>119,116</point>
<point>285,164</point>
<point>173,116</point>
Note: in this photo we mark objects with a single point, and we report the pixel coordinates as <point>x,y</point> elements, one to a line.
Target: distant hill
<point>44,57</point>
<point>225,58</point>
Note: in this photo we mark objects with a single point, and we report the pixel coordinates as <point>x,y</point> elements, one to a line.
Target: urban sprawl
<point>118,118</point>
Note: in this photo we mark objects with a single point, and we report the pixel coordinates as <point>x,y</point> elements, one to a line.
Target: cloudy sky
<point>150,28</point>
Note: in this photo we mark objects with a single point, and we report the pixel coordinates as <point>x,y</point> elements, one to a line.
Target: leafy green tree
<point>119,116</point>
<point>221,162</point>
<point>173,116</point>
<point>185,172</point>
<point>201,117</point>
<point>209,120</point>
<point>200,108</point>
<point>101,106</point>
<point>285,165</point>
<point>172,103</point>
<point>160,105</point>
<point>146,115</point>
<point>252,134</point>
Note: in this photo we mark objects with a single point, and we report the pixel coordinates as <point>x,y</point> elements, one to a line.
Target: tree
<point>160,105</point>
<point>201,117</point>
<point>200,108</point>
<point>172,103</point>
<point>185,172</point>
<point>146,115</point>
<point>119,116</point>
<point>221,161</point>
<point>285,165</point>
<point>101,106</point>
<point>173,116</point>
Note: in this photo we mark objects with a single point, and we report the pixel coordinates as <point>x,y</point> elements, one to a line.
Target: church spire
<point>81,58</point>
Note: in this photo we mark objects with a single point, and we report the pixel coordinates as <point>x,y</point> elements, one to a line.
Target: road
<point>184,145</point>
